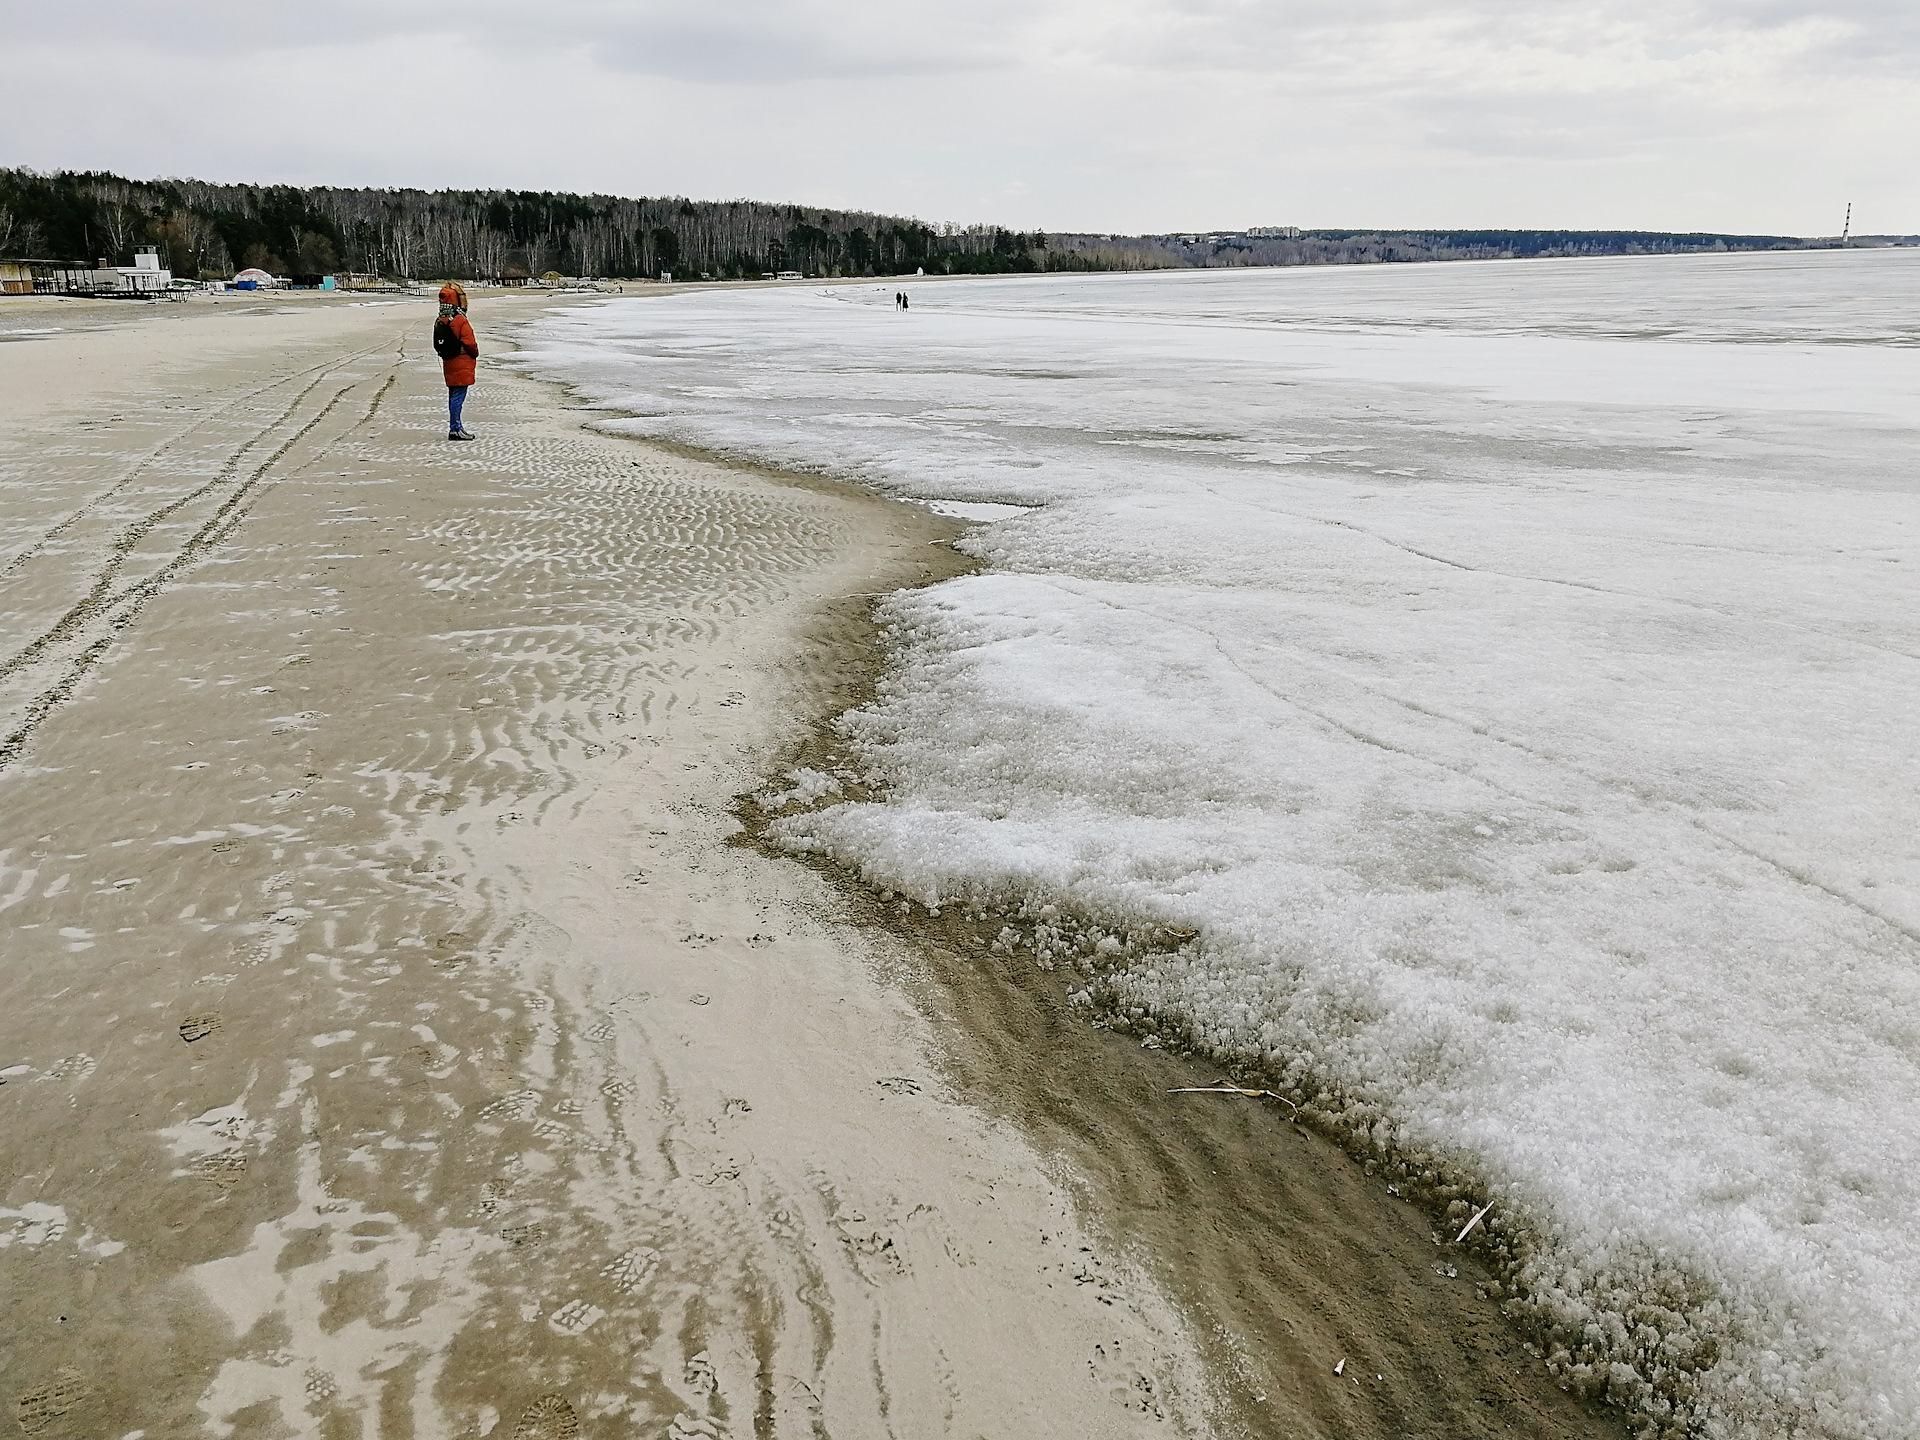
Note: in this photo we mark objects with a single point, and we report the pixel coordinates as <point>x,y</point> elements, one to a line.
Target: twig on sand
<point>1467,1229</point>
<point>1222,1088</point>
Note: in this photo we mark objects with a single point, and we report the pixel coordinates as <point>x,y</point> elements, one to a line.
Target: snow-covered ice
<point>1510,669</point>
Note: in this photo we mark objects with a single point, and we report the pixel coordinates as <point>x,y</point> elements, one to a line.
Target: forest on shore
<point>1388,247</point>
<point>211,230</point>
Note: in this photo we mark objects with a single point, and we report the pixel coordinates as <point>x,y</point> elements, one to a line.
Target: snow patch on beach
<point>984,510</point>
<point>1509,670</point>
<point>37,1223</point>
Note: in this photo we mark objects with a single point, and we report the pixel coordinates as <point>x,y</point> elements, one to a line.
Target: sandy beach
<point>398,1040</point>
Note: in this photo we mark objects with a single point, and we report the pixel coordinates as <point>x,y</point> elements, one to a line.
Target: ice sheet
<point>983,510</point>
<point>1509,669</point>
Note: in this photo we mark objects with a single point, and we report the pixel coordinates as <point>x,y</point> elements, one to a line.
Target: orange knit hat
<point>452,294</point>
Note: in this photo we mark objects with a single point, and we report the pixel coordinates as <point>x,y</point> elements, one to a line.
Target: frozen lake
<point>1510,669</point>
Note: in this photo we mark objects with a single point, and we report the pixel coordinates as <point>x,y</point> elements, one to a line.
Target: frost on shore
<point>1519,702</point>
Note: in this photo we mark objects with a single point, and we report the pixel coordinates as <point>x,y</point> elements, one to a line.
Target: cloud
<point>1114,114</point>
<point>757,41</point>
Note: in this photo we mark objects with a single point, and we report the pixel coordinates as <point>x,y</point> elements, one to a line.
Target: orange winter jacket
<point>459,369</point>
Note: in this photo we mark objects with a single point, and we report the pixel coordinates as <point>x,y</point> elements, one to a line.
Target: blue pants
<point>456,397</point>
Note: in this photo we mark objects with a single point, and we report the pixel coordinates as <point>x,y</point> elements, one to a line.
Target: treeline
<point>204,229</point>
<point>1375,247</point>
<point>207,229</point>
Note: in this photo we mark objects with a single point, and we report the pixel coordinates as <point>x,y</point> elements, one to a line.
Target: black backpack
<point>446,344</point>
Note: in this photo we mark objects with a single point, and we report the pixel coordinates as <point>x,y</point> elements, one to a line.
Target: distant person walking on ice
<point>454,343</point>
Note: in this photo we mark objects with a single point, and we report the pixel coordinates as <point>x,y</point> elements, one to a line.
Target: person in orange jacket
<point>458,349</point>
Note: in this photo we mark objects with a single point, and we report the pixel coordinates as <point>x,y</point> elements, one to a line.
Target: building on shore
<point>146,276</point>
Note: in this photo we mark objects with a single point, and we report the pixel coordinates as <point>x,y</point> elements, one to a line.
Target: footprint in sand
<point>601,1032</point>
<point>198,1027</point>
<point>576,1317</point>
<point>700,1374</point>
<point>695,1427</point>
<point>1130,1388</point>
<point>222,1171</point>
<point>517,1106</point>
<point>631,1269</point>
<point>74,1067</point>
<point>45,1405</point>
<point>36,1224</point>
<point>524,1235</point>
<point>548,1418</point>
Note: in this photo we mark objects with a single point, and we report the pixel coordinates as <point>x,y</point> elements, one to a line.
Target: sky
<point>1126,116</point>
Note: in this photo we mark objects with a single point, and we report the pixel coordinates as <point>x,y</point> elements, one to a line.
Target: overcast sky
<point>1120,115</point>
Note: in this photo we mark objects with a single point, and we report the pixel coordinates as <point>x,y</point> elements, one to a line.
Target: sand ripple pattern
<point>298,706</point>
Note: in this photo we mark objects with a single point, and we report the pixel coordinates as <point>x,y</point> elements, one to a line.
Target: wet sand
<point>396,1042</point>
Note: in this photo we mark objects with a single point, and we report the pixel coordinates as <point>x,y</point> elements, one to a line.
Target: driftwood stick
<point>1225,1089</point>
<point>1467,1229</point>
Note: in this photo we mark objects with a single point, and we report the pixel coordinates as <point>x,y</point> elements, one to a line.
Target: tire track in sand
<point>139,467</point>
<point>121,610</point>
<point>97,597</point>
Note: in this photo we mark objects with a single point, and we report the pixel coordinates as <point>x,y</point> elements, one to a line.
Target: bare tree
<point>121,219</point>
<point>18,236</point>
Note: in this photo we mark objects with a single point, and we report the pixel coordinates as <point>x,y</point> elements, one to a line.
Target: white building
<point>145,275</point>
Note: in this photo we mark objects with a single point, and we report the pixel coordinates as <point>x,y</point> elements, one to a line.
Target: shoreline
<point>1505,820</point>
<point>1368,1283</point>
<point>559,1105</point>
<point>393,1039</point>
